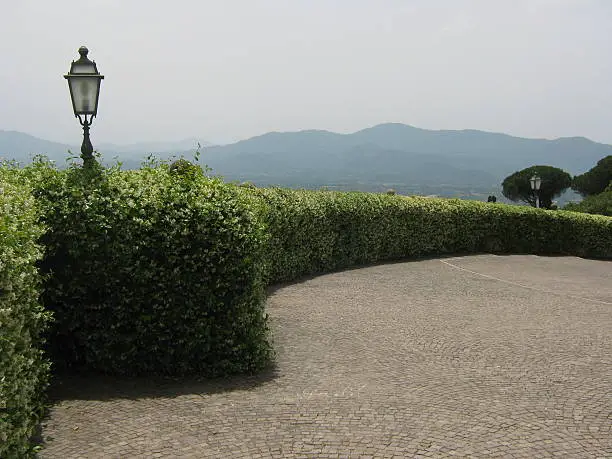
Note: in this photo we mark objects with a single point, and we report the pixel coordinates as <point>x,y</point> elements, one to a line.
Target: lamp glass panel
<point>83,68</point>
<point>84,91</point>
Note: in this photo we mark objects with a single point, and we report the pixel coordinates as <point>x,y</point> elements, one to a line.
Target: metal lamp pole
<point>536,182</point>
<point>84,83</point>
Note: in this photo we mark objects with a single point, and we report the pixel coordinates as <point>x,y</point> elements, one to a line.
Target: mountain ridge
<point>370,158</point>
<point>369,128</point>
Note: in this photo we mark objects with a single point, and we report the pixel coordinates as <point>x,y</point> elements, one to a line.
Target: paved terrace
<point>482,356</point>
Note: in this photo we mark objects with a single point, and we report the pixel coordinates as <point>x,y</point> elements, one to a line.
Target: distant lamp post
<point>536,182</point>
<point>84,84</point>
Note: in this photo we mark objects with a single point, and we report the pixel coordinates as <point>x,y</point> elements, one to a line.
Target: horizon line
<point>213,144</point>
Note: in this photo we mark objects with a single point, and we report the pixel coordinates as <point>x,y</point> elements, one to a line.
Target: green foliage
<point>315,232</point>
<point>596,204</point>
<point>595,180</point>
<point>23,368</point>
<point>152,271</point>
<point>517,187</point>
<point>183,167</point>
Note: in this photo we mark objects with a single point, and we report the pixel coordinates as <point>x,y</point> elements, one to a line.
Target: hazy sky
<point>226,70</point>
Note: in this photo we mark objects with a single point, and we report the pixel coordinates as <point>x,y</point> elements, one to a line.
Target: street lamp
<point>84,84</point>
<point>536,182</point>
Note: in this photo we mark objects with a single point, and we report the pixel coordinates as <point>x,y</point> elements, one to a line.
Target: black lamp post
<point>536,182</point>
<point>84,82</point>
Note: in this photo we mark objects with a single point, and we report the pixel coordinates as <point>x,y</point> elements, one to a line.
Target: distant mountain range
<point>387,155</point>
<point>22,147</point>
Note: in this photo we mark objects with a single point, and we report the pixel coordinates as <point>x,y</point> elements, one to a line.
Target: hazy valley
<point>469,164</point>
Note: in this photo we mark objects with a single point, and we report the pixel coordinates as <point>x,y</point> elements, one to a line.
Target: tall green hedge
<point>152,271</point>
<point>163,270</point>
<point>315,232</point>
<point>23,368</point>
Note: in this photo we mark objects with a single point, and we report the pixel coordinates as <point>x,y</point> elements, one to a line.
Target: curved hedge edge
<point>163,271</point>
<point>24,370</point>
<point>314,232</point>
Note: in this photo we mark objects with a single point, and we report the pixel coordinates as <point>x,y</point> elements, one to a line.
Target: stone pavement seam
<point>521,285</point>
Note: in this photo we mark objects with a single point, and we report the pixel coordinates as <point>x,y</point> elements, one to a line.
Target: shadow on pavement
<point>70,385</point>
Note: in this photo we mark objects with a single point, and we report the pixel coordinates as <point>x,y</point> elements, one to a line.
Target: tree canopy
<point>555,181</point>
<point>596,179</point>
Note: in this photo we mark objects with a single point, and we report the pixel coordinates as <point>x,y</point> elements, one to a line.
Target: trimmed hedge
<point>23,368</point>
<point>315,232</point>
<point>163,270</point>
<point>153,271</point>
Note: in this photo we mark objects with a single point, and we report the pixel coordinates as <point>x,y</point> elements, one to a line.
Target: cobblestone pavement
<point>477,356</point>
